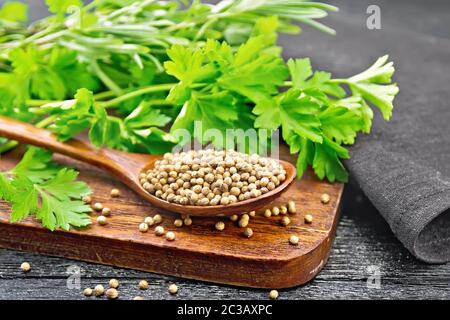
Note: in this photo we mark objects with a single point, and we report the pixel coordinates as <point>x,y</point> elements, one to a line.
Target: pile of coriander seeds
<point>212,177</point>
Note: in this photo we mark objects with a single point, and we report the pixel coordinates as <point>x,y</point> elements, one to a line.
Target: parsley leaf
<point>373,85</point>
<point>14,11</point>
<point>37,187</point>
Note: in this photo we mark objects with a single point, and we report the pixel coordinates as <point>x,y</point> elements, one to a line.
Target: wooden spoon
<point>127,167</point>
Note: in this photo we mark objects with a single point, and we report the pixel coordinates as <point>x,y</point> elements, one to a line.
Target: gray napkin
<point>403,166</point>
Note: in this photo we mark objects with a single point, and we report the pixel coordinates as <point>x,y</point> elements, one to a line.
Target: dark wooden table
<point>365,249</point>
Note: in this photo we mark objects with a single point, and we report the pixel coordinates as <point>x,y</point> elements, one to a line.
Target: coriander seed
<point>101,220</point>
<point>98,206</point>
<point>243,223</point>
<point>283,210</point>
<point>248,232</point>
<point>178,223</point>
<point>173,289</point>
<point>291,207</point>
<point>325,198</point>
<point>87,199</point>
<point>234,217</point>
<point>143,227</point>
<point>114,283</point>
<point>170,236</point>
<point>149,221</point>
<point>308,218</point>
<point>197,177</point>
<point>112,293</point>
<point>252,213</point>
<point>25,266</point>
<point>220,226</point>
<point>285,221</point>
<point>88,292</point>
<point>99,290</point>
<point>106,212</point>
<point>273,294</point>
<point>159,231</point>
<point>187,221</point>
<point>143,285</point>
<point>267,213</point>
<point>293,240</point>
<point>157,218</point>
<point>115,193</point>
<point>275,211</point>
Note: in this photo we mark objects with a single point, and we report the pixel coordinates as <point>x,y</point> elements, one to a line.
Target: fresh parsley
<point>38,187</point>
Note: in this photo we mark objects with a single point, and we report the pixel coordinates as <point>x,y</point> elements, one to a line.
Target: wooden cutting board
<point>266,260</point>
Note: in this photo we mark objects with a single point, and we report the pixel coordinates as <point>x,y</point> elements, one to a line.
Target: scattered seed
<point>293,240</point>
<point>267,213</point>
<point>248,232</point>
<point>114,283</point>
<point>283,210</point>
<point>115,193</point>
<point>157,218</point>
<point>285,221</point>
<point>245,217</point>
<point>149,221</point>
<point>291,207</point>
<point>106,212</point>
<point>88,292</point>
<point>101,220</point>
<point>112,293</point>
<point>178,223</point>
<point>234,217</point>
<point>187,221</point>
<point>220,226</point>
<point>325,198</point>
<point>25,266</point>
<point>99,290</point>
<point>143,227</point>
<point>173,289</point>
<point>159,231</point>
<point>87,199</point>
<point>138,298</point>
<point>170,236</point>
<point>252,213</point>
<point>273,294</point>
<point>275,211</point>
<point>243,223</point>
<point>308,218</point>
<point>143,285</point>
<point>98,206</point>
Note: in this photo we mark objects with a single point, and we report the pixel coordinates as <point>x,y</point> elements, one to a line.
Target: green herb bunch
<point>132,73</point>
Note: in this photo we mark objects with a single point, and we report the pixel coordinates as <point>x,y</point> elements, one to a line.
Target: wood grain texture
<point>266,260</point>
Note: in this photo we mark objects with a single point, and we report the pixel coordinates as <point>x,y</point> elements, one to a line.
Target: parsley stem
<point>136,93</point>
<point>107,81</point>
<point>103,95</point>
<point>37,103</point>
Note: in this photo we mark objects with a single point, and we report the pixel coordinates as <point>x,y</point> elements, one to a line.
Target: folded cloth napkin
<point>403,166</point>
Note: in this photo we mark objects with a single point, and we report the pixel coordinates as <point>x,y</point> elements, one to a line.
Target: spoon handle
<point>29,134</point>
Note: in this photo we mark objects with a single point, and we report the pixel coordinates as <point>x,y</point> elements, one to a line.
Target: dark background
<point>364,240</point>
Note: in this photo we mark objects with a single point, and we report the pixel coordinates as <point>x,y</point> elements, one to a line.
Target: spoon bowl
<point>127,167</point>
